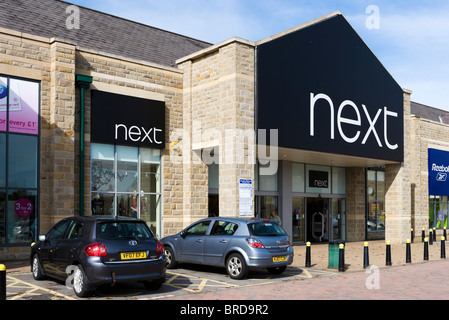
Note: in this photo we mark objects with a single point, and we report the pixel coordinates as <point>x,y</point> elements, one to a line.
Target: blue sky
<point>411,38</point>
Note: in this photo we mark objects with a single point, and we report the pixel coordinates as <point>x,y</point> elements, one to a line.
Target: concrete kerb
<point>354,253</point>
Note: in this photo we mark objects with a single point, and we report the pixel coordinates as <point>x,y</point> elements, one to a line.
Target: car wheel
<point>170,256</point>
<point>236,266</point>
<point>277,270</point>
<point>37,269</point>
<point>81,283</point>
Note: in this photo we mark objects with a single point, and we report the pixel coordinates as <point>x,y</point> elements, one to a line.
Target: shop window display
<point>19,158</point>
<point>438,206</point>
<point>375,199</point>
<point>125,181</point>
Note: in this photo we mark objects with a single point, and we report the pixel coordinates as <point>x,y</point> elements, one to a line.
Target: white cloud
<point>413,45</point>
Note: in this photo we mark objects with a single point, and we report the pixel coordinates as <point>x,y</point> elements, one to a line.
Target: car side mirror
<point>42,237</point>
<point>183,234</point>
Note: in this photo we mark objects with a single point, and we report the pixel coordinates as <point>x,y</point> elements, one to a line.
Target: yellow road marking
<point>35,288</point>
<point>171,279</point>
<point>307,273</point>
<point>202,284</point>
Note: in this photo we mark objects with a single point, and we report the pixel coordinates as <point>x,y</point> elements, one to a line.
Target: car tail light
<point>254,243</point>
<point>160,247</point>
<point>96,250</point>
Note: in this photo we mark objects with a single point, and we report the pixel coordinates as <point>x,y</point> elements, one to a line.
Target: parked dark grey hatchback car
<point>92,251</point>
<point>237,244</point>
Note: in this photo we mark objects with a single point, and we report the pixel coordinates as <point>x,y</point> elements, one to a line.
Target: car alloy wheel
<point>170,256</point>
<point>80,282</point>
<point>37,271</point>
<point>236,266</point>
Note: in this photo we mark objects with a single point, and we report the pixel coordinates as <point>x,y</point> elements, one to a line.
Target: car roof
<point>106,218</point>
<point>236,219</point>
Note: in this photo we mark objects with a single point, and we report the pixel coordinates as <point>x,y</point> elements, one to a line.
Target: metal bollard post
<point>443,248</point>
<point>341,258</point>
<point>2,282</point>
<point>308,255</point>
<point>408,252</point>
<point>430,237</point>
<point>426,250</point>
<point>444,233</point>
<point>434,235</point>
<point>388,260</point>
<point>423,234</point>
<point>365,256</point>
<point>412,234</point>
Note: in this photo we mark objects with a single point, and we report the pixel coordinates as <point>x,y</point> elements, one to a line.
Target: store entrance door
<point>317,219</point>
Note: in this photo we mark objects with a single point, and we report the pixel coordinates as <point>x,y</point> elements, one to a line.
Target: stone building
<point>172,129</point>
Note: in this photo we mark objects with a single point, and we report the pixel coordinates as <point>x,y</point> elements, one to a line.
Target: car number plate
<point>280,259</point>
<point>133,255</point>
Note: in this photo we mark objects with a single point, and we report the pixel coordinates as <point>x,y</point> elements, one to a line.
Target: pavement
<point>354,253</point>
<point>418,281</point>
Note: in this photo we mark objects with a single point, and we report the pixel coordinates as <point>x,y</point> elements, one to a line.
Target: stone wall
<point>55,63</point>
<point>398,188</point>
<point>145,80</point>
<point>218,109</point>
<point>424,134</point>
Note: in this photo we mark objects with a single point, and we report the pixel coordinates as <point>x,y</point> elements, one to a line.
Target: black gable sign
<point>125,120</point>
<point>324,89</point>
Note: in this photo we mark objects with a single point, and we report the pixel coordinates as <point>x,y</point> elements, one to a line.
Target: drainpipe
<point>83,82</point>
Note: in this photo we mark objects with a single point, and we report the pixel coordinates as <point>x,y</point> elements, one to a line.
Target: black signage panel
<point>124,120</point>
<point>324,90</point>
<point>318,179</point>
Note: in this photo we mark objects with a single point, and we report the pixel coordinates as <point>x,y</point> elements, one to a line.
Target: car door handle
<point>199,241</point>
<point>223,241</point>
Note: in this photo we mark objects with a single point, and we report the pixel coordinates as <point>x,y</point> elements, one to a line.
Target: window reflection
<point>22,216</point>
<point>126,181</point>
<point>22,161</point>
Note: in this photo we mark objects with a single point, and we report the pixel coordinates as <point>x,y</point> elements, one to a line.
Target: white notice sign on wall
<point>246,197</point>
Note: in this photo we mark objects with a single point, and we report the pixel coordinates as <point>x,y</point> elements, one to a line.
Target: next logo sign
<point>352,121</point>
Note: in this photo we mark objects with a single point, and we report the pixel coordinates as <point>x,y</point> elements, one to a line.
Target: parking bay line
<point>34,288</point>
<point>203,282</point>
<point>307,273</point>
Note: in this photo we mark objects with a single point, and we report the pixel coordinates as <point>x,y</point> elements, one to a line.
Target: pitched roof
<point>98,31</point>
<point>429,113</point>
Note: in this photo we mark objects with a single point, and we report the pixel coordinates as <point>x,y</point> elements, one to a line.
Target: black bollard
<point>443,248</point>
<point>430,237</point>
<point>308,255</point>
<point>412,234</point>
<point>423,234</point>
<point>426,250</point>
<point>365,256</point>
<point>341,258</point>
<point>2,282</point>
<point>388,260</point>
<point>434,235</point>
<point>408,252</point>
<point>444,233</point>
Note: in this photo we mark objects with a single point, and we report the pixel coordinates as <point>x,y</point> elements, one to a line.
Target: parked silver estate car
<point>237,244</point>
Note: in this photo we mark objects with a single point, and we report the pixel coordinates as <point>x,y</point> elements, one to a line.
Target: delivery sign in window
<point>19,105</point>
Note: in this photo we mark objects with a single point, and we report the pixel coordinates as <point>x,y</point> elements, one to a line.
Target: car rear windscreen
<point>123,230</point>
<point>265,229</point>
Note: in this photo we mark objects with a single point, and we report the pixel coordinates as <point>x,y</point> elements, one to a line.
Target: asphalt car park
<point>190,279</point>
